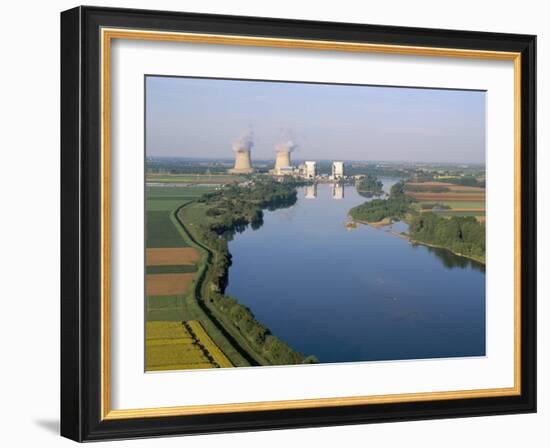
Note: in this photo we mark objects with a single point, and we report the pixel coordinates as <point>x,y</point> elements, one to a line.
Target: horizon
<point>200,118</point>
<point>293,159</point>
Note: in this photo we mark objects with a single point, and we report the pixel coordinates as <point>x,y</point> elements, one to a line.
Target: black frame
<point>80,223</point>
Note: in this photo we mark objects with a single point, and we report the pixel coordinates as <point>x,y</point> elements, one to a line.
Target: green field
<point>160,202</point>
<point>457,208</point>
<point>195,178</point>
<point>163,231</point>
<point>461,213</point>
<point>193,191</point>
<point>465,204</point>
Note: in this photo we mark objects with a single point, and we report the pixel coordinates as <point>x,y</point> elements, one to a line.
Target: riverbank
<point>379,225</point>
<point>458,254</point>
<point>210,222</point>
<point>376,224</point>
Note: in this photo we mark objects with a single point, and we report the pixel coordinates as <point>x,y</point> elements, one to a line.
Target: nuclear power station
<point>242,148</point>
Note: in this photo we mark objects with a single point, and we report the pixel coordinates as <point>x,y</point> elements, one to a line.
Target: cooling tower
<point>243,165</point>
<point>282,159</point>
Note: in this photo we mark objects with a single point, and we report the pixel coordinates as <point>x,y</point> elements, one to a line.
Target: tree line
<point>369,186</point>
<point>461,234</point>
<point>395,207</point>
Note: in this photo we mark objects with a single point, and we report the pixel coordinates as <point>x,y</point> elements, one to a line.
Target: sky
<point>201,118</point>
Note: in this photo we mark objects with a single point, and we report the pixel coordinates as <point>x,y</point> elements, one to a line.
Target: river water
<point>360,294</point>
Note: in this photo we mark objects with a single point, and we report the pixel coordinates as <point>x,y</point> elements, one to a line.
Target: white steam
<point>244,143</point>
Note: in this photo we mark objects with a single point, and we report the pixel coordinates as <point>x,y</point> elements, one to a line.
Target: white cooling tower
<point>243,164</point>
<point>282,159</point>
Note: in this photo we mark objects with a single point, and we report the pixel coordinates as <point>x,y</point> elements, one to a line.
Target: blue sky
<point>188,117</point>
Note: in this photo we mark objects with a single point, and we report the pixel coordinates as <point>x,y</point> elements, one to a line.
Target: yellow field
<point>208,344</point>
<point>181,346</point>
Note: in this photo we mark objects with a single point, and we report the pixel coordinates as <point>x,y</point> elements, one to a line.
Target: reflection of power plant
<point>338,191</point>
<point>337,170</point>
<point>310,191</point>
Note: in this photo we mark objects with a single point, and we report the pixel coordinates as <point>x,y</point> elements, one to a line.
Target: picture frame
<point>87,34</point>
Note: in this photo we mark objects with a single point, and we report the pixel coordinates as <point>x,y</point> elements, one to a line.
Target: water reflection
<point>337,191</point>
<point>356,296</point>
<point>310,191</point>
<point>452,261</point>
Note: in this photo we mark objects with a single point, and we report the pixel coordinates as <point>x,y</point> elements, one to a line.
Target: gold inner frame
<point>107,35</point>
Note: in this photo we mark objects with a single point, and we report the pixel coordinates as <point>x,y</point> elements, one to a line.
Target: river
<point>360,294</point>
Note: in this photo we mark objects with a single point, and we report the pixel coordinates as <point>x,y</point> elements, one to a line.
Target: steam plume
<point>244,143</point>
<point>286,142</point>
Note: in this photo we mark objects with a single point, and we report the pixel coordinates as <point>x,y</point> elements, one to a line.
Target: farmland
<point>201,179</point>
<point>171,256</point>
<point>447,199</point>
<point>181,345</point>
<point>174,317</point>
<point>167,284</point>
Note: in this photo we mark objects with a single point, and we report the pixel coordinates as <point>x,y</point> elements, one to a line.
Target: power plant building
<point>337,170</point>
<point>310,169</point>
